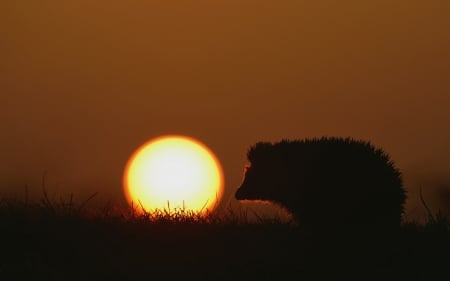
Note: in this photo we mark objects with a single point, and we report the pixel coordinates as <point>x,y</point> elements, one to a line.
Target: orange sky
<point>84,83</point>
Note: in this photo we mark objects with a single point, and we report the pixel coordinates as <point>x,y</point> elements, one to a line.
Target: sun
<point>173,172</point>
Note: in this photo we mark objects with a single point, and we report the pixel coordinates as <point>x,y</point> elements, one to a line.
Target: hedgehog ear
<point>258,150</point>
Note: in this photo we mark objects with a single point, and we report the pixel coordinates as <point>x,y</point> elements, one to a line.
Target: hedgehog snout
<point>240,194</point>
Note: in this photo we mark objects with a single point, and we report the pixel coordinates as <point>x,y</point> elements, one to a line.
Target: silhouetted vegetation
<point>64,240</point>
<point>347,183</point>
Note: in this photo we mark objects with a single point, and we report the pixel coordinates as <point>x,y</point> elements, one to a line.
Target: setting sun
<point>174,172</point>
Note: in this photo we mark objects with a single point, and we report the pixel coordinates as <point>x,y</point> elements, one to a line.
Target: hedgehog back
<point>341,181</point>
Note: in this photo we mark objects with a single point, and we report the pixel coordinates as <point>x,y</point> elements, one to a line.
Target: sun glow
<point>175,172</point>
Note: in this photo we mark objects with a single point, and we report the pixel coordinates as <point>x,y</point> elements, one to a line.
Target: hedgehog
<point>326,182</point>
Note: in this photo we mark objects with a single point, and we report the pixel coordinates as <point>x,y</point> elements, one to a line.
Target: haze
<point>84,83</point>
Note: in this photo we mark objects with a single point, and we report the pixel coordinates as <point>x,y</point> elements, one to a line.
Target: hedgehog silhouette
<point>328,181</point>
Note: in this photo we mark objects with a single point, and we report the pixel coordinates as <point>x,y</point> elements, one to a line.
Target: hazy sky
<point>84,83</point>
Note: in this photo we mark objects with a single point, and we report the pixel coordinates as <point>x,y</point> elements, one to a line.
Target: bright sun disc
<point>174,172</point>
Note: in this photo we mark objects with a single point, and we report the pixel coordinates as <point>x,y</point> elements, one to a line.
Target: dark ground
<point>48,243</point>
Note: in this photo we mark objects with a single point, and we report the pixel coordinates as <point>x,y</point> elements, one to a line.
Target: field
<point>62,240</point>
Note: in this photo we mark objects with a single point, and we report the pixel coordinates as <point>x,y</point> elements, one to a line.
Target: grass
<point>65,240</point>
